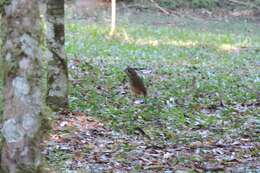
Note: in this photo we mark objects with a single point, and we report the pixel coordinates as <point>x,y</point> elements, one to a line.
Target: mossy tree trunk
<point>57,78</point>
<point>23,92</point>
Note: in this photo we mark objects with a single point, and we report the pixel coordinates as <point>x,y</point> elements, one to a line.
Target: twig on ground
<point>160,8</point>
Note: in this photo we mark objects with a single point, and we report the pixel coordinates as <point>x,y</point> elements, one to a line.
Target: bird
<point>136,82</point>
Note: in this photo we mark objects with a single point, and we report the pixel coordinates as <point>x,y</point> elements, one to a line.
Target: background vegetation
<point>209,4</point>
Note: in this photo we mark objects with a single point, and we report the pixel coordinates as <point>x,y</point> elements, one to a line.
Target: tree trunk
<point>57,77</point>
<point>23,92</point>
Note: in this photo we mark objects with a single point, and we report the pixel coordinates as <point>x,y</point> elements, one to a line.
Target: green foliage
<point>172,4</point>
<point>209,4</point>
<point>203,3</point>
<point>2,4</point>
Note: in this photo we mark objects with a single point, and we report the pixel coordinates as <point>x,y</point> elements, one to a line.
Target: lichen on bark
<point>57,77</point>
<point>23,88</point>
<point>11,131</point>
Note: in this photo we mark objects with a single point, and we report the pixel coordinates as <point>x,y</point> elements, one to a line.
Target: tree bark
<point>23,93</point>
<point>57,77</point>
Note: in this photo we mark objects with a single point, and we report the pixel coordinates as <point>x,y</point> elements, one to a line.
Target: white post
<point>113,17</point>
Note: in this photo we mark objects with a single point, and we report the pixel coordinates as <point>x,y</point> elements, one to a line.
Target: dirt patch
<point>89,7</point>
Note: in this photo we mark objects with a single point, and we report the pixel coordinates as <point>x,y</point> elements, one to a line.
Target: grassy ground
<point>202,110</point>
<point>199,74</point>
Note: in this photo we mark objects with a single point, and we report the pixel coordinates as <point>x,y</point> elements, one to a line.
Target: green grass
<point>192,69</point>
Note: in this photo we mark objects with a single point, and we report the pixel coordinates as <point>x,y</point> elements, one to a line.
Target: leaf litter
<point>87,145</point>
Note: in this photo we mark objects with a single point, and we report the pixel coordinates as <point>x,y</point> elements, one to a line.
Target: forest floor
<point>202,110</point>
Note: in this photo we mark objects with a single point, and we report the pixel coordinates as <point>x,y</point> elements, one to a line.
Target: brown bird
<point>136,82</point>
